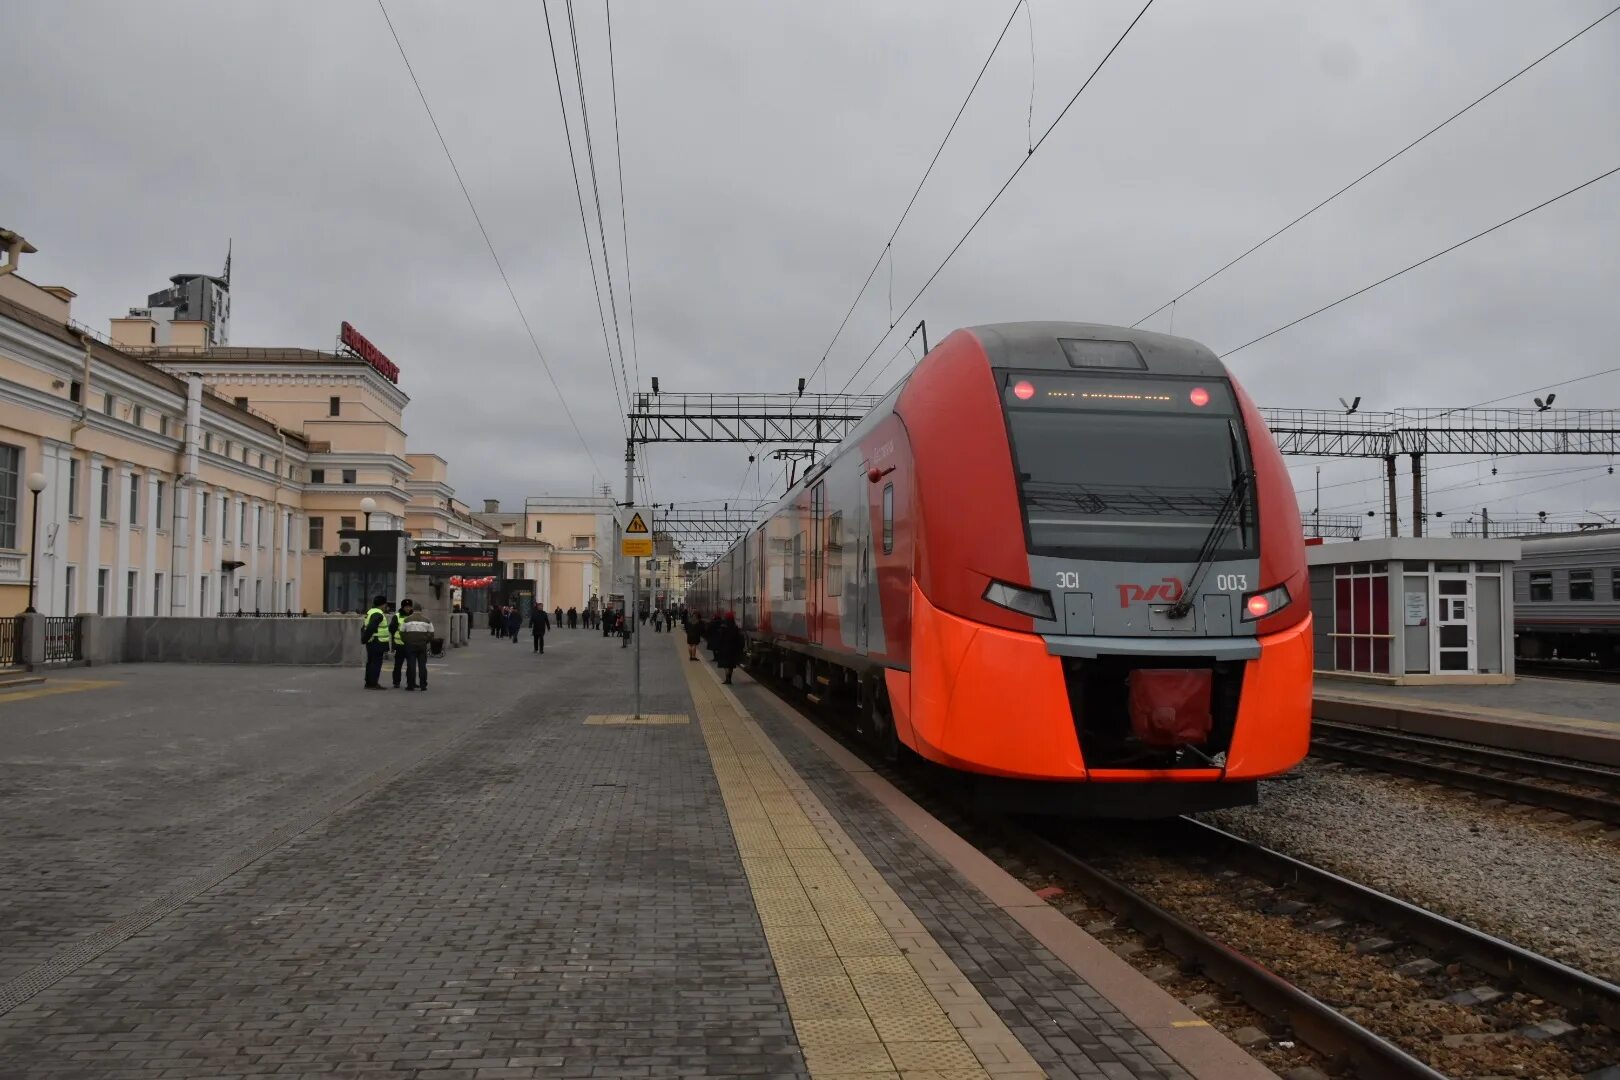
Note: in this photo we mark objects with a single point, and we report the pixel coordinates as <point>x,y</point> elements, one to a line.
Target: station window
<point>203,521</point>
<point>10,467</point>
<point>334,406</point>
<point>317,476</point>
<point>240,402</point>
<point>888,518</point>
<point>1540,586</point>
<point>137,416</point>
<point>1614,584</point>
<point>106,497</point>
<point>348,476</point>
<point>73,487</point>
<point>1580,585</point>
<point>346,524</point>
<point>134,498</point>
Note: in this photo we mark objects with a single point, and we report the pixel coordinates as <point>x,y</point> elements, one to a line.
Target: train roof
<point>1589,540</point>
<point>1040,345</point>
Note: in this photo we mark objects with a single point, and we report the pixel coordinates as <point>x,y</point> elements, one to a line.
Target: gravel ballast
<point>1554,891</point>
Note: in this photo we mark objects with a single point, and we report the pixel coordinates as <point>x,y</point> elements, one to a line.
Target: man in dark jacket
<point>514,621</point>
<point>539,623</point>
<point>727,642</point>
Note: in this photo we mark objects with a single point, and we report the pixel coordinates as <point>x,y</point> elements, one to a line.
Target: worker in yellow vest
<point>396,628</point>
<point>375,633</point>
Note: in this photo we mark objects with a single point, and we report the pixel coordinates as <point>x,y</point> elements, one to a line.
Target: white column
<point>197,564</point>
<point>90,572</point>
<point>50,541</point>
<point>251,585</point>
<point>296,560</point>
<point>149,604</point>
<point>227,546</point>
<point>117,602</point>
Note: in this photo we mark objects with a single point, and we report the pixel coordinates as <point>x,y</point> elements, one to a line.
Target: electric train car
<point>1062,559</point>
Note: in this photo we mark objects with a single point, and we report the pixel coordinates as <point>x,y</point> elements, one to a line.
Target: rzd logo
<point>1168,590</point>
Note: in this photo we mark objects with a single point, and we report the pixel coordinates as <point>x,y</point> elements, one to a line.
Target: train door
<point>1454,638</point>
<point>814,602</point>
<point>863,577</point>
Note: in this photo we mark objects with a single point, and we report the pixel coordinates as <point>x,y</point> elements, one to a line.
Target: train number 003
<point>1231,582</point>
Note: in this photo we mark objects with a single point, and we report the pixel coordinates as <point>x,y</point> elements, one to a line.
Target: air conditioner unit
<point>348,547</point>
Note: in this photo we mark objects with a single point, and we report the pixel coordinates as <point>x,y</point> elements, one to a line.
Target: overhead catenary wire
<point>624,217</point>
<point>590,256</point>
<point>1422,262</point>
<point>596,190</point>
<point>1444,123</point>
<point>1025,160</point>
<point>562,399</point>
<point>940,149</point>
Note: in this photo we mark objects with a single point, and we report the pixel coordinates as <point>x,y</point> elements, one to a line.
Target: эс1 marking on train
<point>1063,559</point>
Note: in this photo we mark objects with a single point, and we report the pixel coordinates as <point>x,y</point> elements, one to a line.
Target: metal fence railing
<point>63,643</point>
<point>11,633</point>
<point>268,614</point>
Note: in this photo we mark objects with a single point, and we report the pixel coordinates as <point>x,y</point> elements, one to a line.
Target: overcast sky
<point>768,149</point>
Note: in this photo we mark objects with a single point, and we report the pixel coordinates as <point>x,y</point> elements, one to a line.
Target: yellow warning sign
<point>637,542</point>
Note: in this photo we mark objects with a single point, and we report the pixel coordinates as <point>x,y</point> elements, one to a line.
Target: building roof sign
<point>361,346</point>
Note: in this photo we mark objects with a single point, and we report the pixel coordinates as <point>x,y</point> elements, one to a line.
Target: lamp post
<point>36,484</point>
<point>368,506</point>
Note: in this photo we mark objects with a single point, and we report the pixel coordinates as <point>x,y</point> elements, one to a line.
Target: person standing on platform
<point>514,621</point>
<point>694,635</point>
<point>609,622</point>
<point>713,636</point>
<point>559,620</point>
<point>374,632</point>
<point>658,621</point>
<point>539,623</point>
<point>417,634</point>
<point>728,645</point>
<point>396,637</point>
<point>627,626</point>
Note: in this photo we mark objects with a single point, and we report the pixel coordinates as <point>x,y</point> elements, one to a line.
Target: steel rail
<point>1313,1022</point>
<point>1582,994</point>
<point>1405,755</point>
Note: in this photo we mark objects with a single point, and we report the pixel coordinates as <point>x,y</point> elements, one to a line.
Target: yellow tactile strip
<point>645,718</point>
<point>870,993</point>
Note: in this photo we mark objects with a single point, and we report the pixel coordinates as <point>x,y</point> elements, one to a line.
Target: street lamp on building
<point>36,484</point>
<point>368,506</point>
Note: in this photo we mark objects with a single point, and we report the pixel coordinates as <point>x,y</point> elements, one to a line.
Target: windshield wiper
<point>1206,553</point>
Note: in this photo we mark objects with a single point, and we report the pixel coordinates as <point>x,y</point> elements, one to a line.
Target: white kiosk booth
<point>1414,609</point>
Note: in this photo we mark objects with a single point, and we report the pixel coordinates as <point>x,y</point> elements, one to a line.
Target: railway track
<point>1316,1023</point>
<point>1462,954</point>
<point>1566,669</point>
<point>1579,790</point>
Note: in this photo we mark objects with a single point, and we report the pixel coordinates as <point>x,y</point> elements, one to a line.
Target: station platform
<point>254,872</point>
<point>1566,718</point>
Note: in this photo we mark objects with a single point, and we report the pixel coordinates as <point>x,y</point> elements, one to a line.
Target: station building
<point>559,545</point>
<point>187,476</point>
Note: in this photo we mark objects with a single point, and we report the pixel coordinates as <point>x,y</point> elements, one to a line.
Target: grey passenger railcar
<point>1566,597</point>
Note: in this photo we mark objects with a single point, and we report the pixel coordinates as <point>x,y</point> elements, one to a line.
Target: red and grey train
<point>1063,559</point>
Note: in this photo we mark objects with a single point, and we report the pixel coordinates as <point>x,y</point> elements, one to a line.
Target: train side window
<point>888,518</point>
<point>1614,584</point>
<point>1580,585</point>
<point>1540,586</point>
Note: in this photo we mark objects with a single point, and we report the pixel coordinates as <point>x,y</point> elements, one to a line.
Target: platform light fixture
<point>36,484</point>
<point>368,506</point>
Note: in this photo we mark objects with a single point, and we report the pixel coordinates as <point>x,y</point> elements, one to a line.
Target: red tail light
<point>1258,606</point>
<point>1199,396</point>
<point>1023,390</point>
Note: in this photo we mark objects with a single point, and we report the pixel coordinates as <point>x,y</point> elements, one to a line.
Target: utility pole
<point>1394,519</point>
<point>1484,523</point>
<point>634,613</point>
<point>1417,494</point>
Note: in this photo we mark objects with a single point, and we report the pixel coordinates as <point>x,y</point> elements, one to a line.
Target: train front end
<point>1111,611</point>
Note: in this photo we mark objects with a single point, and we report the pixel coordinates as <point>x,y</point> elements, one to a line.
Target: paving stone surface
<point>1069,1028</point>
<point>516,893</point>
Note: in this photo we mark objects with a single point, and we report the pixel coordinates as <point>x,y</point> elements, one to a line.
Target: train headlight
<point>1036,603</point>
<point>1257,605</point>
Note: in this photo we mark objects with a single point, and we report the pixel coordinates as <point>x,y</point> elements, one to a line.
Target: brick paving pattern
<point>536,897</point>
<point>1068,1028</point>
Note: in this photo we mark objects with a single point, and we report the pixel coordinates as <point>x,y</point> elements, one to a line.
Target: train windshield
<point>1135,468</point>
